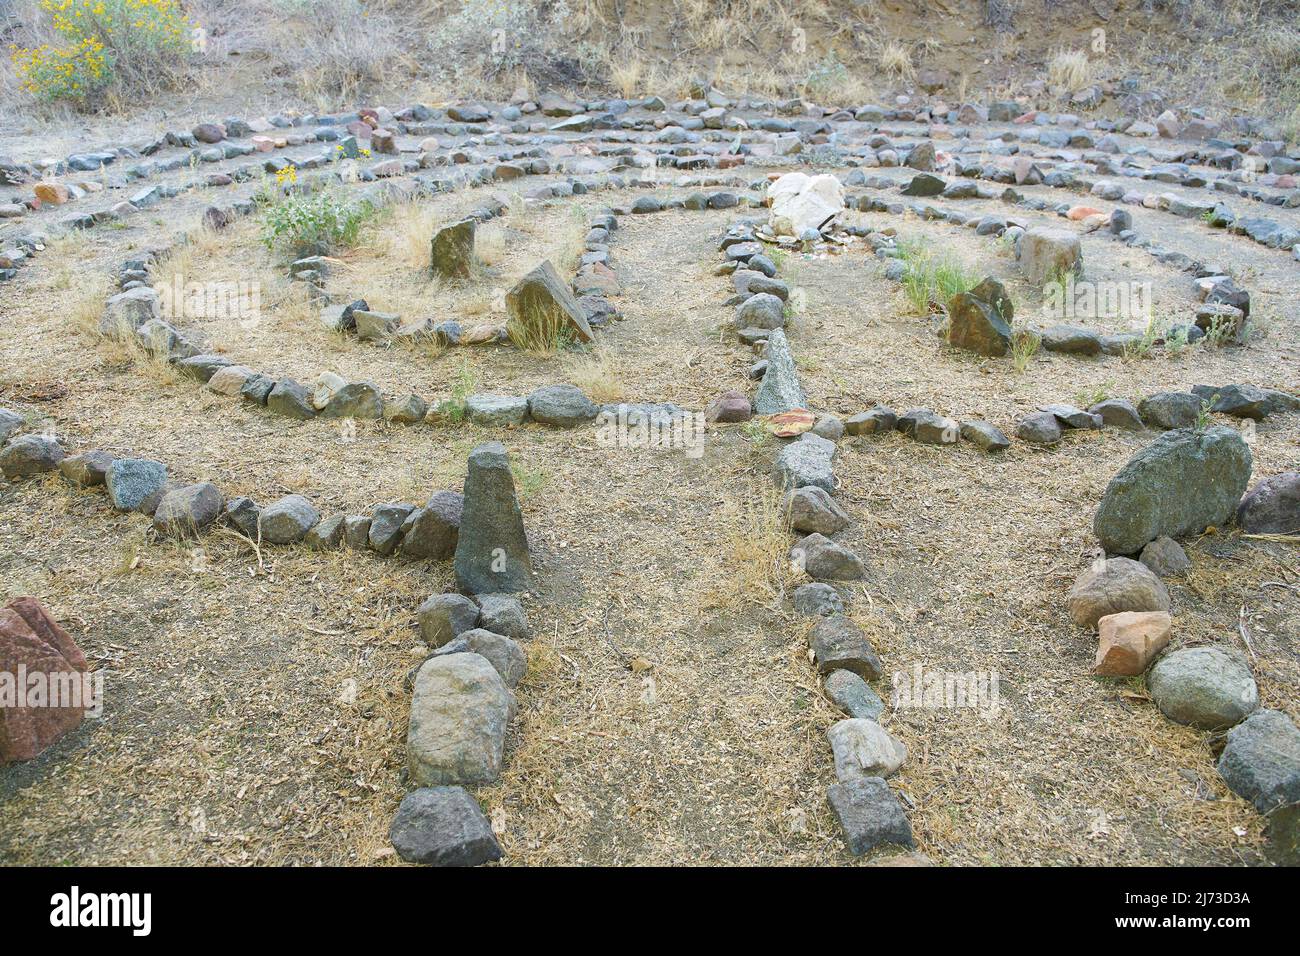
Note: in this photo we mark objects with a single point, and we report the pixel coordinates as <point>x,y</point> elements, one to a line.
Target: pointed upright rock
<point>452,249</point>
<point>491,550</point>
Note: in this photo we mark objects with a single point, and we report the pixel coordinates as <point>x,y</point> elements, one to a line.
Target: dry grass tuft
<point>1069,70</point>
<point>755,552</point>
<point>896,59</point>
<point>599,374</point>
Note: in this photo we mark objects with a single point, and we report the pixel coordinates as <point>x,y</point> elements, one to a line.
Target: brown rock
<point>791,423</point>
<point>32,641</point>
<point>731,406</point>
<point>1129,641</point>
<point>1109,587</point>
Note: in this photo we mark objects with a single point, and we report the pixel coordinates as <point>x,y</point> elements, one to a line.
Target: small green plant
<point>453,409</point>
<point>1024,343</point>
<point>316,223</point>
<point>1203,416</point>
<point>529,479</point>
<point>1222,331</point>
<point>1088,397</point>
<point>1140,348</point>
<point>930,280</point>
<point>1176,341</point>
<point>756,433</point>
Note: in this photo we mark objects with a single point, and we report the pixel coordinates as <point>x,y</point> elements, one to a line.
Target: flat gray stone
<point>851,694</point>
<point>484,409</point>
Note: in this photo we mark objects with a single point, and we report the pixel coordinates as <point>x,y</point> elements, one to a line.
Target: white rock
<point>864,749</point>
<point>801,202</point>
<point>325,387</point>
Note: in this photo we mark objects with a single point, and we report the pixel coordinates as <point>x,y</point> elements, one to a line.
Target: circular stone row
<point>145,486</point>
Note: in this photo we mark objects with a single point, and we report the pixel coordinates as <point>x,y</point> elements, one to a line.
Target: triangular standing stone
<point>541,301</point>
<point>491,551</point>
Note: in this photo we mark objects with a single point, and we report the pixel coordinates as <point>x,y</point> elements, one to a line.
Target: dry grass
<point>598,373</point>
<point>896,60</point>
<point>1069,70</point>
<point>755,565</point>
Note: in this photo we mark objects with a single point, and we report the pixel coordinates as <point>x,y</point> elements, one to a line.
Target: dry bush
<point>334,50</point>
<point>1069,70</point>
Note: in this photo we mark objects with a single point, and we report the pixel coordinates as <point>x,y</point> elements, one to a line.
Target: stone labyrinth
<point>709,481</point>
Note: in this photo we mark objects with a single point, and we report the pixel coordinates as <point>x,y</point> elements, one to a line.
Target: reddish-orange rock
<point>35,651</point>
<point>56,194</point>
<point>1083,212</point>
<point>1127,642</point>
<point>792,423</point>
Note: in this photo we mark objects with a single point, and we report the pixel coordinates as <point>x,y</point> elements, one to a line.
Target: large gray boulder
<point>443,826</point>
<point>491,549</point>
<point>503,614</point>
<point>780,390</point>
<point>826,560</point>
<point>186,510</point>
<point>459,712</point>
<point>811,508</point>
<point>29,455</point>
<point>869,814</point>
<point>806,463</point>
<point>1206,687</point>
<point>839,644</point>
<point>443,617</point>
<point>432,531</point>
<point>509,659</point>
<point>851,694</point>
<point>762,310</point>
<point>287,521</point>
<point>980,320</point>
<point>863,748</point>
<point>127,311</point>
<point>1261,760</point>
<point>1180,484</point>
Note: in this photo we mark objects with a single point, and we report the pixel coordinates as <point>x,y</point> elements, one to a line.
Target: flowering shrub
<point>136,44</point>
<point>312,223</point>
